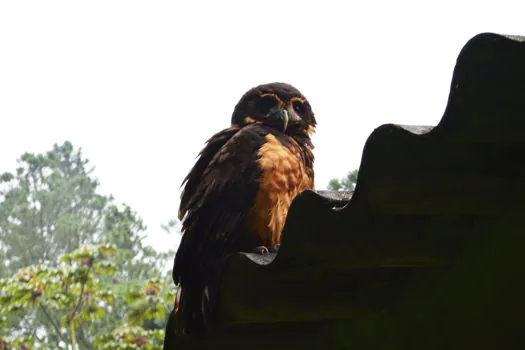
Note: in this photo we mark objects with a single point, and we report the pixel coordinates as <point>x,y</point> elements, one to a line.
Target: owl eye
<point>298,107</point>
<point>265,103</point>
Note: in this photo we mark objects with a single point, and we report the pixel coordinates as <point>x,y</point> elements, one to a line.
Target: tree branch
<point>82,337</point>
<point>57,329</point>
<point>80,297</point>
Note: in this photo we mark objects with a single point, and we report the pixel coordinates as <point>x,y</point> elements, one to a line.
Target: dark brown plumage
<point>237,195</point>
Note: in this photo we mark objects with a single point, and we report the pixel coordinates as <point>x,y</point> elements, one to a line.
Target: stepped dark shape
<point>428,253</point>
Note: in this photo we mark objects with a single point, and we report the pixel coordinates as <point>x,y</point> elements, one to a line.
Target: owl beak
<point>284,118</point>
<point>278,118</point>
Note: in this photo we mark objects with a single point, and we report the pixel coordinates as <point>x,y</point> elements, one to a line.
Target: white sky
<point>141,85</point>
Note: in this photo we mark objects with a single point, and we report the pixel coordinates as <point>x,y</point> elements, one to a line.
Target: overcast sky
<point>141,85</point>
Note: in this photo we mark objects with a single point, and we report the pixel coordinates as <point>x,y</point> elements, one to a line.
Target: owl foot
<point>263,250</point>
<point>275,248</point>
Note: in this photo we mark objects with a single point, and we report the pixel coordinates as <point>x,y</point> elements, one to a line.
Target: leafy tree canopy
<point>49,207</point>
<point>71,294</point>
<point>346,183</point>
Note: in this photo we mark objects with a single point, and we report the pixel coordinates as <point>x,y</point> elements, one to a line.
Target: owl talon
<point>263,250</point>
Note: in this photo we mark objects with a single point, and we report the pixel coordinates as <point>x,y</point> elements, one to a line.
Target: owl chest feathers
<point>284,175</point>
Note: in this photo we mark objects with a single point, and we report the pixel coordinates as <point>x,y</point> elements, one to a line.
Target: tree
<point>51,206</point>
<point>74,291</point>
<point>70,290</point>
<point>346,183</point>
<point>148,304</point>
<point>137,264</point>
<point>48,207</point>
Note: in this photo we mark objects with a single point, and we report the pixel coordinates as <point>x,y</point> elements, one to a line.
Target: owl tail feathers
<point>192,311</point>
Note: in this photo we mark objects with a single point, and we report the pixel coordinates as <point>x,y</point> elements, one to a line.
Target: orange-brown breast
<point>284,175</point>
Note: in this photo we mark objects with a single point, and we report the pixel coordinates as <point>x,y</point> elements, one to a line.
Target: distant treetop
<point>346,183</point>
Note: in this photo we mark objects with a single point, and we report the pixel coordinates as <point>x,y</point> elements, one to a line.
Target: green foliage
<point>73,290</point>
<point>150,304</point>
<point>128,337</point>
<point>51,200</point>
<point>22,343</point>
<point>49,207</point>
<point>346,183</point>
